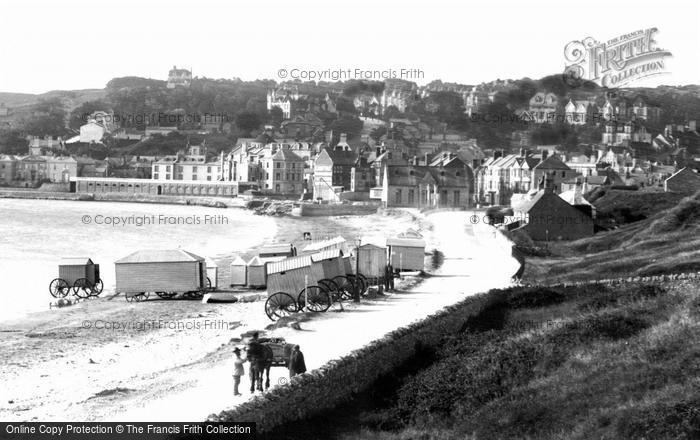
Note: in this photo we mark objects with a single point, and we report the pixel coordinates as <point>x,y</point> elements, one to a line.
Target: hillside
<point>584,362</point>
<point>666,242</point>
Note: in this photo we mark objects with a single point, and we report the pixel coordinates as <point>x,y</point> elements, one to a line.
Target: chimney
<point>522,152</point>
<point>426,159</point>
<point>548,184</point>
<point>415,161</point>
<point>497,154</point>
<point>545,154</point>
<point>343,138</point>
<point>476,163</point>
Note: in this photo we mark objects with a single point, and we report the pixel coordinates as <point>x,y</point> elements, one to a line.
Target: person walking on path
<point>238,370</point>
<point>296,362</point>
<point>389,277</point>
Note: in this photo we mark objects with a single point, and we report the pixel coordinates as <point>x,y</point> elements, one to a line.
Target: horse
<point>259,366</point>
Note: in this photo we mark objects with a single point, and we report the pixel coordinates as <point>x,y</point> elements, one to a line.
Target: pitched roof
<point>552,163</point>
<point>414,175</point>
<point>406,242</point>
<point>159,256</point>
<point>287,156</point>
<point>341,157</point>
<point>75,261</point>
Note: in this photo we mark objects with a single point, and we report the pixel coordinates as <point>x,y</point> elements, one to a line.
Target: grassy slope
<point>578,362</point>
<point>666,242</point>
<point>564,363</point>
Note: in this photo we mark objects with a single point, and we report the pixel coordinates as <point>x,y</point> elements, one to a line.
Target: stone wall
<point>337,381</point>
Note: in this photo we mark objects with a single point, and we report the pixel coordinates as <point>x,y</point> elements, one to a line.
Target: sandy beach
<point>112,360</point>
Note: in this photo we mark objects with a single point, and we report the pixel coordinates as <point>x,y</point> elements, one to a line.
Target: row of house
<point>547,108</point>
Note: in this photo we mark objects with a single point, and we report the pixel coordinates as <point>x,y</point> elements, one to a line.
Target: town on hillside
<point>512,144</point>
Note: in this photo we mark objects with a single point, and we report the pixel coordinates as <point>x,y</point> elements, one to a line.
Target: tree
<point>47,118</point>
<point>13,142</point>
<point>377,133</point>
<point>247,122</point>
<point>351,125</point>
<point>81,113</point>
<point>276,116</point>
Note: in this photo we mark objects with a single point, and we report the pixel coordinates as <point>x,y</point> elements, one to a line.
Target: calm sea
<point>35,234</point>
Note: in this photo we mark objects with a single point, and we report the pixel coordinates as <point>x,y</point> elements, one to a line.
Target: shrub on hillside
<point>685,215</point>
<point>534,297</point>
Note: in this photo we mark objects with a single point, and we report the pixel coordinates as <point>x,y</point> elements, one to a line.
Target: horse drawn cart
<point>79,274</point>
<point>166,273</point>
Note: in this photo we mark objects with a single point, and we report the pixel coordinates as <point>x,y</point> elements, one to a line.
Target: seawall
<point>316,210</point>
<point>222,202</point>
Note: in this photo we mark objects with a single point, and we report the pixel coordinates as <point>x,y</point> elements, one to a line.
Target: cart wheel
<point>129,298</point>
<point>82,288</point>
<point>59,288</point>
<point>143,296</point>
<point>97,288</point>
<point>279,305</point>
<point>166,295</point>
<point>194,294</point>
<point>364,284</point>
<point>328,285</point>
<point>345,286</point>
<point>314,299</point>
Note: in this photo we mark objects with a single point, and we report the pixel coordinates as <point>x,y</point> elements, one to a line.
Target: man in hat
<point>238,370</point>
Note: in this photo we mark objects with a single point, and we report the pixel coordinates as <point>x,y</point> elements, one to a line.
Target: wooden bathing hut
<point>212,273</point>
<point>326,244</point>
<point>372,260</point>
<point>239,271</point>
<point>72,269</point>
<point>407,252</point>
<point>277,250</point>
<point>151,270</point>
<point>329,263</point>
<point>256,273</point>
<point>292,274</point>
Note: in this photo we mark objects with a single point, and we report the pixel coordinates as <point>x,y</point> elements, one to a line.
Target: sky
<point>77,44</point>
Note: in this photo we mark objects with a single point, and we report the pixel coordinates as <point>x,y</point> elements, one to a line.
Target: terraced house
<point>426,187</point>
<point>191,166</point>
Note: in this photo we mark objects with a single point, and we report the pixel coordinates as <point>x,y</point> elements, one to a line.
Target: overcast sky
<point>78,44</point>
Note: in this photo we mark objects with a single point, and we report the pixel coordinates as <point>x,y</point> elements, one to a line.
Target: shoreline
<point>182,339</point>
<point>260,205</point>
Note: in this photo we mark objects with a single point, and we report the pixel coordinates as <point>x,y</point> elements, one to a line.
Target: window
<point>277,176</point>
<point>278,165</point>
<point>208,177</point>
<point>155,175</point>
<point>411,196</point>
<point>194,176</point>
<point>167,169</point>
<point>398,196</point>
<point>208,169</point>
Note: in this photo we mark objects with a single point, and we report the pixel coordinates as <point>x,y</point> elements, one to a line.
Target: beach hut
<point>372,260</point>
<point>326,244</point>
<point>160,271</point>
<point>277,250</point>
<point>256,273</point>
<point>292,274</point>
<point>74,268</point>
<point>239,271</point>
<point>406,252</point>
<point>328,264</point>
<point>212,273</point>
